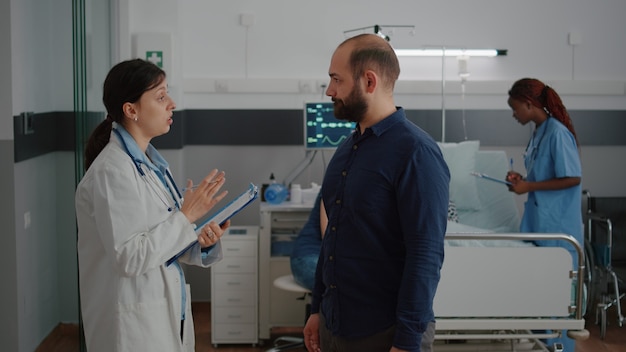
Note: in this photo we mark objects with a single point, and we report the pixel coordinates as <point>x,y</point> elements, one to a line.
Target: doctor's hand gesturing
<point>201,198</point>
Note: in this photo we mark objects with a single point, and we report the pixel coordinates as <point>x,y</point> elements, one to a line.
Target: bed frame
<point>506,293</point>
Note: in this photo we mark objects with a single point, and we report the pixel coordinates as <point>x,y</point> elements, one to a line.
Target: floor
<point>65,337</point>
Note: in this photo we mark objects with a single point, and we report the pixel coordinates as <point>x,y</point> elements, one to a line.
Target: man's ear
<point>371,81</point>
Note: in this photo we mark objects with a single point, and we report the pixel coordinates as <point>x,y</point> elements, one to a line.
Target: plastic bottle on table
<point>275,193</point>
<point>296,193</point>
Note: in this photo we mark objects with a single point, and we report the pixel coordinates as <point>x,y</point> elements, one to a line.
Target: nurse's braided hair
<point>125,83</point>
<point>543,97</point>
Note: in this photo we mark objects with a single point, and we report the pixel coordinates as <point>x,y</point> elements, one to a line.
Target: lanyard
<point>171,186</point>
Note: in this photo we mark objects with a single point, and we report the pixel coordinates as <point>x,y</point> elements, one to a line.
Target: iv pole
<point>443,95</point>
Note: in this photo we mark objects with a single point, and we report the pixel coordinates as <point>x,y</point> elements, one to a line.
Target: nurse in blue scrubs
<point>553,170</point>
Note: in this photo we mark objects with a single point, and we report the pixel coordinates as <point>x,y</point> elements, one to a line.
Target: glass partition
<point>91,45</point>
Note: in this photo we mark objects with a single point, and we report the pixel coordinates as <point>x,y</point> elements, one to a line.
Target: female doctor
<point>132,219</point>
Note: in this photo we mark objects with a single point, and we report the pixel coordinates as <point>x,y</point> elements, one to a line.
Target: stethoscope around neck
<point>150,179</point>
<point>532,149</point>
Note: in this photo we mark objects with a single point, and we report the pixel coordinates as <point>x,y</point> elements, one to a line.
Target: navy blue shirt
<point>386,196</point>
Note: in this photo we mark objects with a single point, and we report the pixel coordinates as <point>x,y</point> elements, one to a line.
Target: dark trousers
<point>380,342</point>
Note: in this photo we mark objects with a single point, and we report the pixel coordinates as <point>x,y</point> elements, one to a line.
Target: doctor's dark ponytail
<point>125,83</point>
<point>98,139</point>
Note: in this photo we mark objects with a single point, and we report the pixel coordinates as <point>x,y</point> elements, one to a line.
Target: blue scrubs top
<point>552,153</point>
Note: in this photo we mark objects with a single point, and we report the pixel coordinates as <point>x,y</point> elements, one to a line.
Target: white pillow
<point>461,160</point>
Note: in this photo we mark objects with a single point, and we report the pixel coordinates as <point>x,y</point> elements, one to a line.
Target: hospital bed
<point>498,291</point>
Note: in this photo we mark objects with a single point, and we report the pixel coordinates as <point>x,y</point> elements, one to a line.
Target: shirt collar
<point>151,157</point>
<point>383,125</point>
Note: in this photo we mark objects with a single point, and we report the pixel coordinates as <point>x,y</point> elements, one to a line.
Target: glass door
<point>91,46</point>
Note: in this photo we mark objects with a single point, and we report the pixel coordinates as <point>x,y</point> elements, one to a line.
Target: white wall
<point>98,50</point>
<point>41,52</point>
<point>291,42</point>
<point>6,122</point>
<point>39,66</point>
<point>296,39</point>
<point>33,64</point>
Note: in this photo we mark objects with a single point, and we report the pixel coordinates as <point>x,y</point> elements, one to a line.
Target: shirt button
<point>333,228</point>
<point>333,286</point>
<point>355,147</point>
<point>330,257</point>
<point>338,201</point>
<point>344,173</point>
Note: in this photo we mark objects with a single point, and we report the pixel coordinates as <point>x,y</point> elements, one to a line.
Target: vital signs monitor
<point>322,130</point>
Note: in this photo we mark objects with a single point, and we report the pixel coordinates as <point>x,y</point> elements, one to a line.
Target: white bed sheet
<point>459,230</point>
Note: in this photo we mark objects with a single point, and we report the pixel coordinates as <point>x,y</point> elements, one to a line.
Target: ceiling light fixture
<point>452,52</point>
<point>463,54</point>
<point>434,51</point>
<point>378,30</point>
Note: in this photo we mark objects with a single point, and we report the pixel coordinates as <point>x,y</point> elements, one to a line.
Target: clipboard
<point>227,212</point>
<point>487,177</point>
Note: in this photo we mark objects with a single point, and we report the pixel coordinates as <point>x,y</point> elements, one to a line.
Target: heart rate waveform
<point>321,140</point>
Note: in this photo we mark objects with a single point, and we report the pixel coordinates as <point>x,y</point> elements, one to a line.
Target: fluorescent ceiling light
<point>451,52</point>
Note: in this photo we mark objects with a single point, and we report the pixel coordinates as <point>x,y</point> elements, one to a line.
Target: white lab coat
<point>130,300</point>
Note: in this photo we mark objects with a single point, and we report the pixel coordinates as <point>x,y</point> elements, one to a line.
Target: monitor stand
<point>308,159</point>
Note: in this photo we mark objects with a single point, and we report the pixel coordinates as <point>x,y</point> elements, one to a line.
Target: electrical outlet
<point>574,38</point>
<point>246,19</point>
<point>306,86</point>
<point>27,122</point>
<point>27,220</point>
<point>221,86</point>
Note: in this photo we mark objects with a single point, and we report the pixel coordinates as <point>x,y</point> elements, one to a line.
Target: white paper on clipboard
<point>227,212</point>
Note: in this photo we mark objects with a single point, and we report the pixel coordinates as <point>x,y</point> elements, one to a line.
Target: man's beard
<point>353,108</point>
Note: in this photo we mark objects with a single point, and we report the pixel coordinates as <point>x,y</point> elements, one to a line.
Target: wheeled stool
<point>285,343</point>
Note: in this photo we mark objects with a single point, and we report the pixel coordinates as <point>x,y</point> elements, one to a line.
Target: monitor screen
<point>322,130</point>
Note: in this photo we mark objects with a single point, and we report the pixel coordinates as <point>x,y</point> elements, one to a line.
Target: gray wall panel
<point>54,131</point>
<point>428,120</point>
<point>175,139</point>
<point>8,255</point>
<point>600,127</point>
<point>244,127</point>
